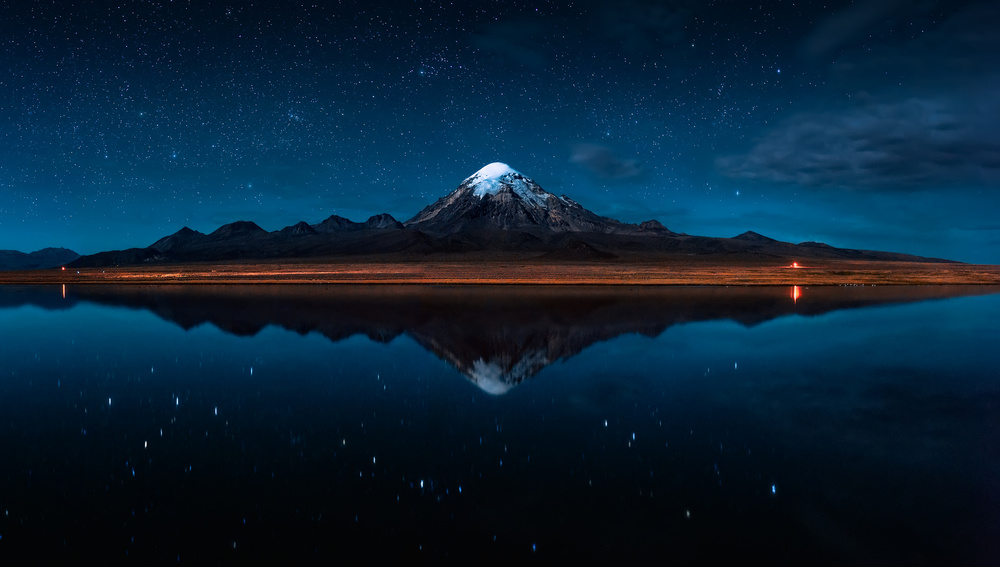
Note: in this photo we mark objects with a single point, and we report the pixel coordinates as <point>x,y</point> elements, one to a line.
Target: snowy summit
<point>495,176</point>
<point>499,198</point>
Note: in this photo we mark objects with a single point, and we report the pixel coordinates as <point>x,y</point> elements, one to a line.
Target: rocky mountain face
<point>499,198</point>
<point>38,260</point>
<point>383,221</point>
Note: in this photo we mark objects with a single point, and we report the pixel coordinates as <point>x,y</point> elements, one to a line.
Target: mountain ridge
<point>495,211</point>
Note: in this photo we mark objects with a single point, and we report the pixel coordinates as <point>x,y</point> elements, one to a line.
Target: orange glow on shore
<point>796,293</point>
<point>678,271</point>
<point>796,265</point>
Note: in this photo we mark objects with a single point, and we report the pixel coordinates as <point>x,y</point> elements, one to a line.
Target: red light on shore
<point>795,265</point>
<point>64,268</point>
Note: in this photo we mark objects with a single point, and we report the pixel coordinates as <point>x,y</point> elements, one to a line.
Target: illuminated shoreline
<point>694,272</point>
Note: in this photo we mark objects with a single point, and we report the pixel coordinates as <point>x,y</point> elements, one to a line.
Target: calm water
<point>227,424</point>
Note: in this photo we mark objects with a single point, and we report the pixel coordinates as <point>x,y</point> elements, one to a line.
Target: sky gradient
<point>871,124</point>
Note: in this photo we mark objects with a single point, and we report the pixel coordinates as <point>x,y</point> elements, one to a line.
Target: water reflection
<point>695,425</point>
<point>497,337</point>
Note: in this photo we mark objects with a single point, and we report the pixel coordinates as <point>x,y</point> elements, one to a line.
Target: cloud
<point>951,55</point>
<point>909,145</point>
<point>603,162</point>
<point>923,113</point>
<point>853,22</point>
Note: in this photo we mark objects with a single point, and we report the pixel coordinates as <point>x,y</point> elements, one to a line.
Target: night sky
<point>872,124</point>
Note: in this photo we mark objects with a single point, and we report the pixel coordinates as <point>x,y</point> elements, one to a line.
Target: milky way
<point>868,125</point>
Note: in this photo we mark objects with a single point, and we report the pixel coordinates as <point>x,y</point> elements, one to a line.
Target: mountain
<point>383,221</point>
<point>499,198</point>
<point>751,236</point>
<point>496,212</point>
<point>653,226</point>
<point>37,260</point>
<point>238,229</point>
<point>336,224</point>
<point>176,240</point>
<point>298,229</point>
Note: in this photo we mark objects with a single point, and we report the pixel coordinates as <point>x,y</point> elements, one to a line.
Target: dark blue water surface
<point>244,424</point>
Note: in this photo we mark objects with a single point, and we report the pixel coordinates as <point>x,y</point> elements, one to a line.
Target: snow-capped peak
<point>495,170</point>
<point>495,176</point>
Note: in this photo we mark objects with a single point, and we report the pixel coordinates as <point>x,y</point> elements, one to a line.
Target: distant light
<point>774,489</point>
<point>779,71</point>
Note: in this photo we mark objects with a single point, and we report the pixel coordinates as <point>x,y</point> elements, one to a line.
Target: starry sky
<point>869,124</point>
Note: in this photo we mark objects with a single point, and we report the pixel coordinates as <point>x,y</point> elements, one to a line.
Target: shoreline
<point>680,273</point>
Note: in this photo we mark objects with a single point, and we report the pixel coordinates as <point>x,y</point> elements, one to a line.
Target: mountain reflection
<point>496,336</point>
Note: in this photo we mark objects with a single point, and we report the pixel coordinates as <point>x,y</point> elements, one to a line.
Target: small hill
<point>37,260</point>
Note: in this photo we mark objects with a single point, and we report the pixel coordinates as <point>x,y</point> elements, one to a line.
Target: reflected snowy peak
<point>496,336</point>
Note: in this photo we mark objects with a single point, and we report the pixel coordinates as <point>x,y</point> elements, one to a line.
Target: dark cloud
<point>603,162</point>
<point>909,145</point>
<point>855,21</point>
<point>923,114</point>
<point>947,55</point>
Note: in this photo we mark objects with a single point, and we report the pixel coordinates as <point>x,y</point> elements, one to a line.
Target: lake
<point>208,424</point>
